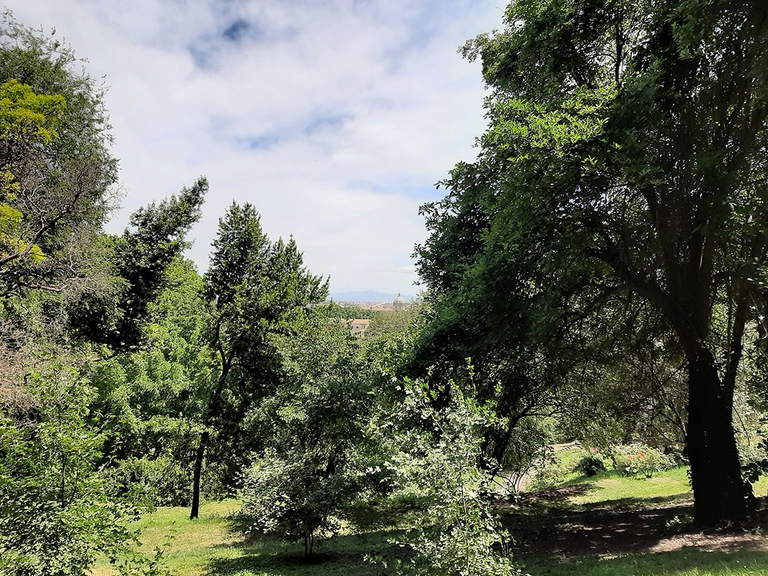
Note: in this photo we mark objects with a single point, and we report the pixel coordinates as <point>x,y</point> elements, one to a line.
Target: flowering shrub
<point>640,459</point>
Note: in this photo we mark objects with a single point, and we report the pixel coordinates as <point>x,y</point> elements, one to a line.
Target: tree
<point>316,432</point>
<point>624,161</point>
<point>55,161</point>
<point>57,514</point>
<point>149,400</point>
<point>111,311</point>
<point>27,121</point>
<point>257,288</point>
<point>143,255</point>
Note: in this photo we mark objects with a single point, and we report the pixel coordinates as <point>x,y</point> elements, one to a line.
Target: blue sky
<point>335,118</point>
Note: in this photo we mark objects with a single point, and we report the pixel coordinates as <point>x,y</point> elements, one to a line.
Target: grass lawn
<point>614,525</point>
<point>213,545</point>
<point>678,563</point>
<point>607,525</point>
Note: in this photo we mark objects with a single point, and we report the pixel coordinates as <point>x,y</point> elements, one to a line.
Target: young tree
<point>624,159</point>
<point>316,431</point>
<point>257,288</point>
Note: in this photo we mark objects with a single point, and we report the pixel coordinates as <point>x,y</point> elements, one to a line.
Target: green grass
<point>608,488</point>
<point>213,545</point>
<point>678,563</point>
<point>610,491</point>
<point>611,486</point>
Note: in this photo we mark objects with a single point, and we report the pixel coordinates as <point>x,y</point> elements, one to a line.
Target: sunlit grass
<point>677,563</point>
<point>608,487</point>
<point>212,545</point>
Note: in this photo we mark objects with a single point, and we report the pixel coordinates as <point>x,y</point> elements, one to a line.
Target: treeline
<point>596,274</point>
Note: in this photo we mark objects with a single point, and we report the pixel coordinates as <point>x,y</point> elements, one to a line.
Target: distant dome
<point>398,303</point>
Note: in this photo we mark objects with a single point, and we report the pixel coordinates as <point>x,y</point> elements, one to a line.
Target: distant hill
<point>367,296</point>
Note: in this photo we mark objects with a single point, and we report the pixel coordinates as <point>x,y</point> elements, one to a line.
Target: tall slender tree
<point>256,287</point>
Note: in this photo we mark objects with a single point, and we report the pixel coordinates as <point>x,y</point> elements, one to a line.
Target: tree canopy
<point>624,162</point>
<point>55,160</point>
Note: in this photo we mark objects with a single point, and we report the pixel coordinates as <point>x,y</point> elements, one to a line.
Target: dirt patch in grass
<point>543,525</point>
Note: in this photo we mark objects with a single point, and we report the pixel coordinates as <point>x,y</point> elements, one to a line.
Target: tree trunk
<point>213,408</point>
<point>199,456</point>
<point>718,490</point>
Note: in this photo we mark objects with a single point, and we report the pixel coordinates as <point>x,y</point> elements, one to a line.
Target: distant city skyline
<point>369,296</point>
<point>335,119</point>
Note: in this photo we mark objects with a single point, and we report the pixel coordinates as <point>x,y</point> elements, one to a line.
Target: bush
<point>754,461</point>
<point>290,495</point>
<point>57,515</point>
<point>550,472</point>
<point>459,535</point>
<point>589,465</point>
<point>640,459</point>
<point>165,482</point>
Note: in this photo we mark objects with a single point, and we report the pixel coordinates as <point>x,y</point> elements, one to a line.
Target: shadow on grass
<point>340,555</point>
<point>683,562</point>
<point>576,532</point>
<point>629,526</point>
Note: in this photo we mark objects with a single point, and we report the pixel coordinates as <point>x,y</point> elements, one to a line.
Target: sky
<point>334,118</point>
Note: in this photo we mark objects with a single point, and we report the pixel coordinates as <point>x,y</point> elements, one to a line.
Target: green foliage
<point>27,120</point>
<point>316,428</point>
<point>139,260</point>
<point>290,495</point>
<point>256,289</point>
<point>754,463</point>
<point>150,401</point>
<point>459,535</point>
<point>529,449</point>
<point>56,517</point>
<point>56,168</point>
<point>163,481</point>
<point>640,459</point>
<point>589,465</point>
<point>334,310</point>
<point>615,181</point>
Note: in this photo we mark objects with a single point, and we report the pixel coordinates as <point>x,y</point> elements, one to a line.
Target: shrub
<point>754,461</point>
<point>165,482</point>
<point>459,535</point>
<point>290,495</point>
<point>550,472</point>
<point>589,465</point>
<point>640,459</point>
<point>57,515</point>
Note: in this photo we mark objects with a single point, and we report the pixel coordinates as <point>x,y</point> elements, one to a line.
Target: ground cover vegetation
<point>590,348</point>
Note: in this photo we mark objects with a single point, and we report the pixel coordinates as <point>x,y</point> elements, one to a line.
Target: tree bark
<point>199,456</point>
<point>213,408</point>
<point>718,491</point>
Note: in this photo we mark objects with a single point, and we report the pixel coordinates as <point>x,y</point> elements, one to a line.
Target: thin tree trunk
<point>213,408</point>
<point>198,469</point>
<point>718,490</point>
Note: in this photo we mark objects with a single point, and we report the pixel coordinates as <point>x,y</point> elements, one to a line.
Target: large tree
<point>624,162</point>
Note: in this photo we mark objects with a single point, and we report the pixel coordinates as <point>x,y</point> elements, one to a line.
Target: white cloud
<point>334,119</point>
